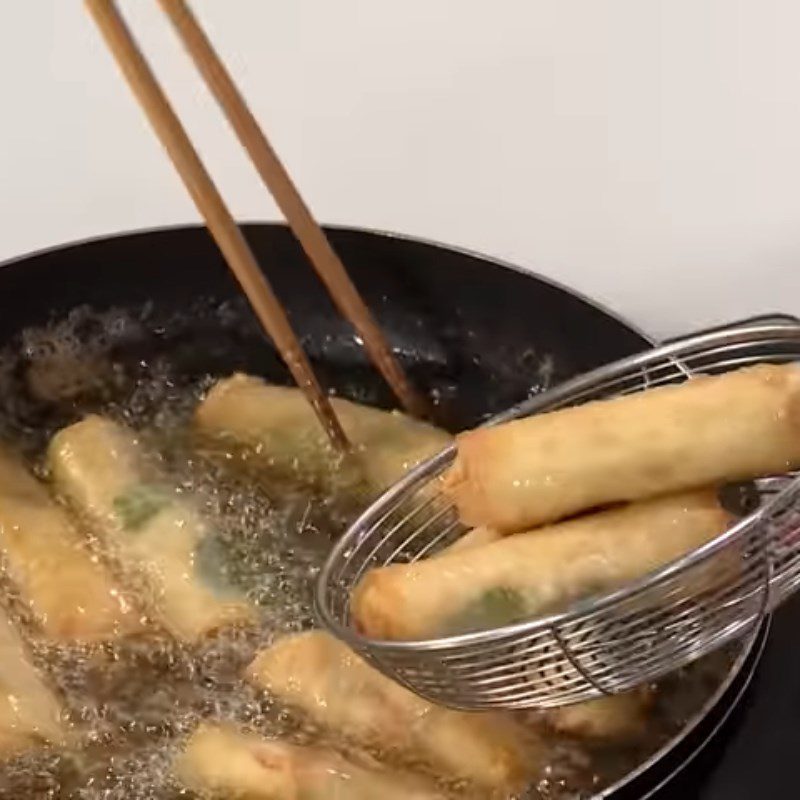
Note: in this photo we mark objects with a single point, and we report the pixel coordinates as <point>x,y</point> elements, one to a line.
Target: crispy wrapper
<point>530,574</point>
<point>155,533</point>
<point>706,431</point>
<point>30,714</point>
<point>71,594</point>
<point>276,428</point>
<point>615,718</point>
<point>222,762</point>
<point>338,690</point>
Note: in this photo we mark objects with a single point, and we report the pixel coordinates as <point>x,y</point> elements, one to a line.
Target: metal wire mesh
<point>605,644</point>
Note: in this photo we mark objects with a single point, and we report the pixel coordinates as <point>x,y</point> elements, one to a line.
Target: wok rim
<point>380,233</point>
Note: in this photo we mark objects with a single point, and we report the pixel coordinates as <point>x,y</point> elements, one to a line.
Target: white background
<point>646,152</point>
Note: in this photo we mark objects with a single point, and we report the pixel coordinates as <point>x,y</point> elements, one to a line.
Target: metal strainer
<point>608,643</point>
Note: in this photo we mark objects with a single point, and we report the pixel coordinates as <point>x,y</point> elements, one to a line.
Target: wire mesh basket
<point>604,644</point>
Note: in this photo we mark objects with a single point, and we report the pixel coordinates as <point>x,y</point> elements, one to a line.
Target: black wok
<point>478,335</point>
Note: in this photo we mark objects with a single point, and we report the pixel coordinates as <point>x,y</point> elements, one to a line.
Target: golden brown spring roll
<point>71,594</point>
<point>229,764</point>
<point>532,573</point>
<point>612,719</point>
<point>474,538</point>
<point>275,426</point>
<point>704,432</point>
<point>615,718</point>
<point>338,690</point>
<point>155,533</point>
<point>30,713</point>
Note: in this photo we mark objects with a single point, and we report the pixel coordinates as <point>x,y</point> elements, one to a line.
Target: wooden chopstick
<point>327,263</point>
<point>209,202</point>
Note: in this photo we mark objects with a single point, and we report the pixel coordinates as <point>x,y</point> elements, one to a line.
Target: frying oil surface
<point>137,698</point>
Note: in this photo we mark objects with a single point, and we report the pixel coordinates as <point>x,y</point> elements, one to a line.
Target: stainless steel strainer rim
<point>583,610</point>
<point>577,609</point>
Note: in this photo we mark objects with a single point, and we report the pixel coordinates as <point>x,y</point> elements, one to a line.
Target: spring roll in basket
<point>222,762</point>
<point>154,532</point>
<point>71,595</point>
<point>339,691</point>
<point>529,574</point>
<point>474,538</point>
<point>30,714</point>
<point>705,431</point>
<point>274,427</point>
<point>614,718</point>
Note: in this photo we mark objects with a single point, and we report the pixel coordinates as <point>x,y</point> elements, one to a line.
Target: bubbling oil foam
<point>137,698</point>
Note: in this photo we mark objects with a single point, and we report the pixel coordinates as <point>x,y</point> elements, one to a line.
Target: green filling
<point>502,606</point>
<point>495,607</point>
<point>138,505</point>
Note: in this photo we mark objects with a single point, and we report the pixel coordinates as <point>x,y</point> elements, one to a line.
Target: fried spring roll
<point>706,431</point>
<point>71,594</point>
<point>614,718</point>
<point>338,690</point>
<point>230,764</point>
<point>474,538</point>
<point>276,426</point>
<point>153,531</point>
<point>533,573</point>
<point>30,714</point>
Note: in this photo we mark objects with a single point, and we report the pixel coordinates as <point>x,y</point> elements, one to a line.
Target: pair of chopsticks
<point>221,223</point>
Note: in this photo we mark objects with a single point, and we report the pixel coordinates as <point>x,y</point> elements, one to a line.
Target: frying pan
<point>478,335</point>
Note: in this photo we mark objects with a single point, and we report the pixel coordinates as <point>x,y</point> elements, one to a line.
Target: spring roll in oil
<point>274,427</point>
<point>339,691</point>
<point>528,574</point>
<point>30,713</point>
<point>156,533</point>
<point>705,431</point>
<point>222,762</point>
<point>616,718</point>
<point>72,595</point>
